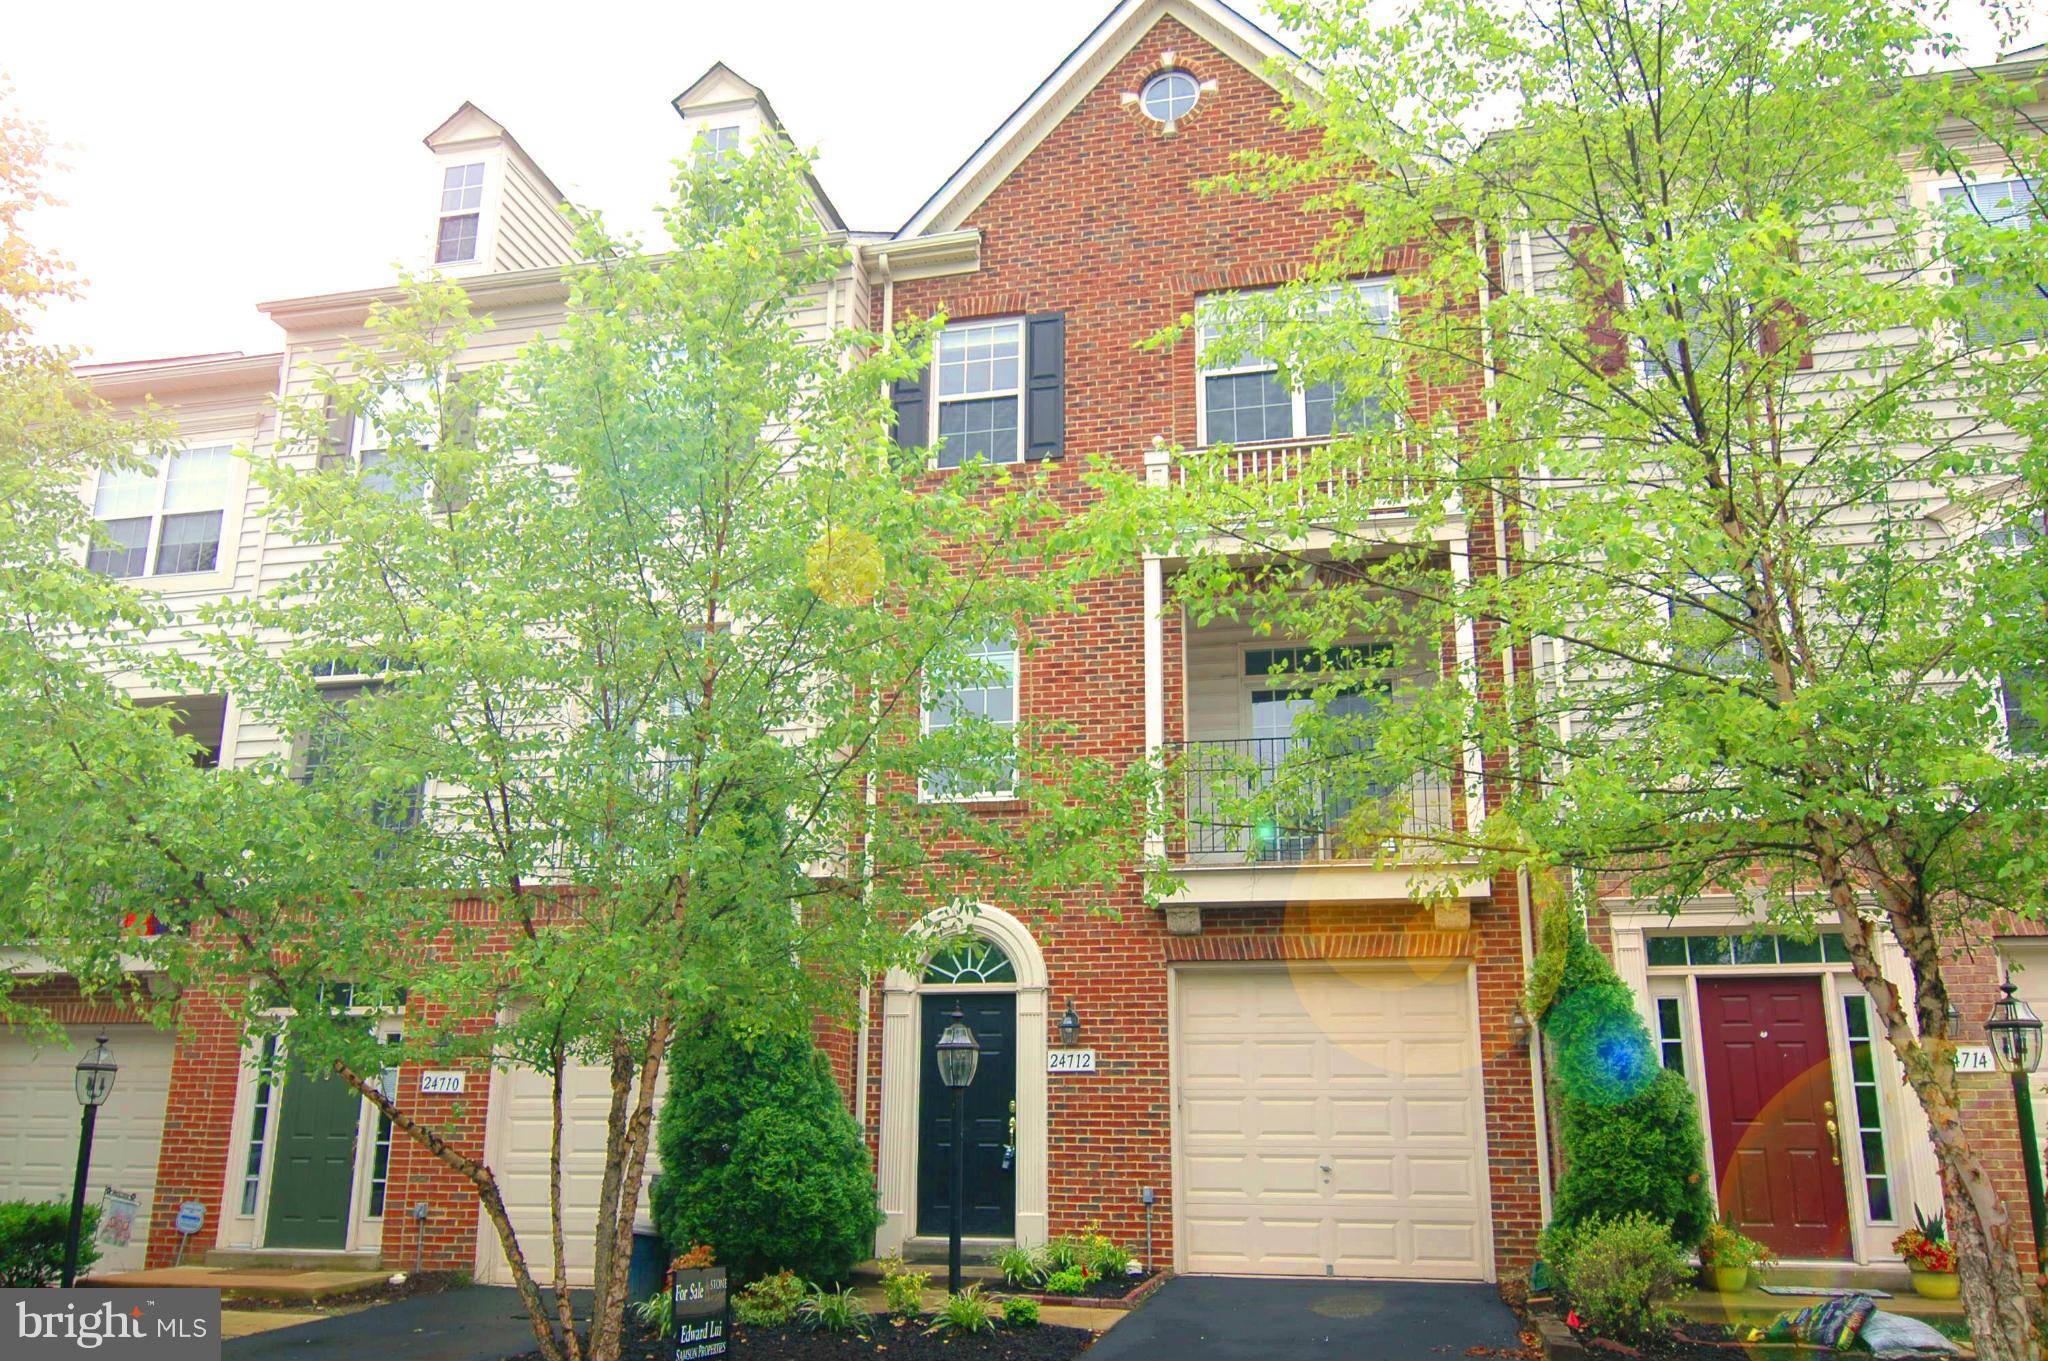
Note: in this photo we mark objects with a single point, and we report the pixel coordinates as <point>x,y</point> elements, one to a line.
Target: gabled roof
<point>471,124</point>
<point>722,87</point>
<point>1082,69</point>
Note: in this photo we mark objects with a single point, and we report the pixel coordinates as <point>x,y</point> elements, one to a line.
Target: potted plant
<point>1727,1257</point>
<point>1929,1257</point>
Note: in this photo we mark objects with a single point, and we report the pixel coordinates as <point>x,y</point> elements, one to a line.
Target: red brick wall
<point>199,1114</point>
<point>1103,222</point>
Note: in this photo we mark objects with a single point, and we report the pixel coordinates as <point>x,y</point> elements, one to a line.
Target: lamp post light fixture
<point>1070,1025</point>
<point>958,1053</point>
<point>94,1082</point>
<point>2015,1035</point>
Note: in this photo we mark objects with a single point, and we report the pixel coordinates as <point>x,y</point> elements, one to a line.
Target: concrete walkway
<point>1225,1318</point>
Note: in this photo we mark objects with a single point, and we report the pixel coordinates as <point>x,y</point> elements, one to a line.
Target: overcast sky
<point>272,150</point>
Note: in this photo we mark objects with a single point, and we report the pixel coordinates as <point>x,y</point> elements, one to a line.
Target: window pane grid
<point>164,520</point>
<point>457,241</point>
<point>1670,1034</point>
<point>1877,1186</point>
<point>259,1129</point>
<point>1243,397</point>
<point>990,700</point>
<point>977,386</point>
<point>1739,948</point>
<point>462,188</point>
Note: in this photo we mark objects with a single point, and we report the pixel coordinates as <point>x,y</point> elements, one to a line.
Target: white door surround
<point>1915,1181</point>
<point>901,1069</point>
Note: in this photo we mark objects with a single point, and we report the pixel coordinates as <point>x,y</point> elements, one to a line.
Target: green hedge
<point>761,1160</point>
<point>32,1234</point>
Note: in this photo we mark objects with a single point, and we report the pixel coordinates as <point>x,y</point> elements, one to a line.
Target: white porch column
<point>1158,460</point>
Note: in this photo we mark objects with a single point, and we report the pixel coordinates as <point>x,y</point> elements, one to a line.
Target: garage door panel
<point>1437,1118</point>
<point>1372,1166</point>
<point>522,1155</point>
<point>39,1136</point>
<point>1361,1117</point>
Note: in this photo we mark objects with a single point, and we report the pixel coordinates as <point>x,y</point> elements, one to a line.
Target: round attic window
<point>1169,96</point>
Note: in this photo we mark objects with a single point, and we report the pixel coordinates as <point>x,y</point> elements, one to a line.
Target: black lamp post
<point>959,1053</point>
<point>2015,1034</point>
<point>94,1081</point>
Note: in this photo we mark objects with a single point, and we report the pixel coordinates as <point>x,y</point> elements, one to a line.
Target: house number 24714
<point>1070,1060</point>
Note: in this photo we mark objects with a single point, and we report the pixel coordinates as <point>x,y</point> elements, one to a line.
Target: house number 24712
<point>1070,1060</point>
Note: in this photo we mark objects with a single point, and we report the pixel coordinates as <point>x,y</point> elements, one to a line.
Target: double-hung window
<point>980,392</point>
<point>324,756</point>
<point>986,694</point>
<point>720,144</point>
<point>462,201</point>
<point>375,433</point>
<point>1245,399</point>
<point>2002,205</point>
<point>162,520</point>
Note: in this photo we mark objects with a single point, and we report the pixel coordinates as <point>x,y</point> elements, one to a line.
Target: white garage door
<point>39,1132</point>
<point>1330,1122</point>
<point>520,1159</point>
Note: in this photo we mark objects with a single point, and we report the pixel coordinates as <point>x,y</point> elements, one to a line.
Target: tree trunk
<point>604,1264</point>
<point>1997,1297</point>
<point>485,1183</point>
<point>608,1310</point>
<point>564,1309</point>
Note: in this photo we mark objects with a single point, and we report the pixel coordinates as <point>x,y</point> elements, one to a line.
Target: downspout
<point>871,796</point>
<point>1525,920</point>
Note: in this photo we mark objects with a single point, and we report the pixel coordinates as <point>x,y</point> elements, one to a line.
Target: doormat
<point>1825,1291</point>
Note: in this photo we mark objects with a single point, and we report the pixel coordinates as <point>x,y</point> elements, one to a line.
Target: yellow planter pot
<point>1729,1280</point>
<point>1936,1285</point>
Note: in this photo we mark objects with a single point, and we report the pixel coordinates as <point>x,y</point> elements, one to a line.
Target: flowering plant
<point>1923,1253</point>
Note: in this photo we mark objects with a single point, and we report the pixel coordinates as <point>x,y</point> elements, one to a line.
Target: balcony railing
<point>1260,800</point>
<point>1305,464</point>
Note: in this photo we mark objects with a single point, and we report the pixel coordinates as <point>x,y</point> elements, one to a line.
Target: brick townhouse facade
<point>1294,1067</point>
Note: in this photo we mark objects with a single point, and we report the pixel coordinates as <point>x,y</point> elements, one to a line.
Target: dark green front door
<point>315,1163</point>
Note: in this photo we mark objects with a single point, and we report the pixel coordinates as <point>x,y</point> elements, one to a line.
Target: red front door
<point>1770,1099</point>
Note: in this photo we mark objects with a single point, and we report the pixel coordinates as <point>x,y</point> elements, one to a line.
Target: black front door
<point>991,1176</point>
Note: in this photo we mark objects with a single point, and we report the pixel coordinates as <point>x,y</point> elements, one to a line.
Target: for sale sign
<point>703,1314</point>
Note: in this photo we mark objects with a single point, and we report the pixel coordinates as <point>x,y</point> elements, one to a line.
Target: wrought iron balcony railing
<point>1265,800</point>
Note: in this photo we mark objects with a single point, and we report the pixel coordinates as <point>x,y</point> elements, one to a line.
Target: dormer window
<point>462,198</point>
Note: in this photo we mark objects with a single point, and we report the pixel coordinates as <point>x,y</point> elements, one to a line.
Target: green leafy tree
<point>1720,444</point>
<point>89,782</point>
<point>760,1158</point>
<point>645,620</point>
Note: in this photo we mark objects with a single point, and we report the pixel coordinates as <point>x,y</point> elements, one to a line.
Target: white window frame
<point>938,403</point>
<point>1945,190</point>
<point>158,512</point>
<point>722,142</point>
<point>982,651</point>
<point>476,211</point>
<point>1382,284</point>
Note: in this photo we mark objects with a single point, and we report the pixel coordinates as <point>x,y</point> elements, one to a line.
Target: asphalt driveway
<point>472,1323</point>
<point>1230,1318</point>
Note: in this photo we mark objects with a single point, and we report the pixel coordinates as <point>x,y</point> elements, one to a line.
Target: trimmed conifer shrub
<point>760,1158</point>
<point>1629,1128</point>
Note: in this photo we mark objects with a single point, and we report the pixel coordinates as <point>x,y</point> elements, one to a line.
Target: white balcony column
<point>1468,676</point>
<point>1158,462</point>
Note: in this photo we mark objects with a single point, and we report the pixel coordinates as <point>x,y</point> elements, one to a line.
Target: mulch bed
<point>890,1340</point>
<point>1103,1292</point>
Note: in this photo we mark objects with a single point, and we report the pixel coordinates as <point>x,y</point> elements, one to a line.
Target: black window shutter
<point>911,397</point>
<point>334,441</point>
<point>1045,385</point>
